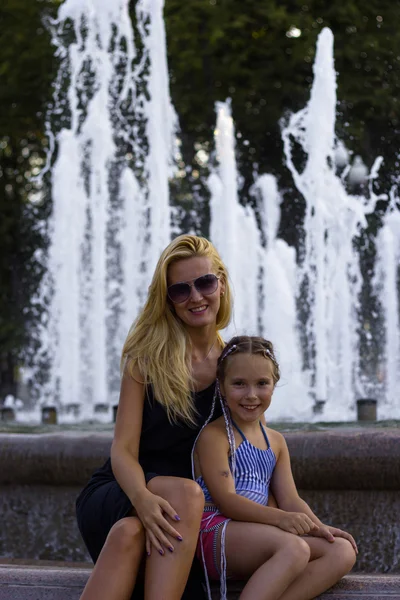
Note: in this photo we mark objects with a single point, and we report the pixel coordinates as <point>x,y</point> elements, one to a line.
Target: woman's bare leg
<point>114,574</point>
<point>269,558</point>
<point>166,575</point>
<point>329,562</point>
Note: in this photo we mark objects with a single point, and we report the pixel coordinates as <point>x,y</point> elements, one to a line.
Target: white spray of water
<point>161,128</point>
<point>233,229</point>
<point>264,297</point>
<point>102,252</point>
<point>105,242</point>
<point>386,284</point>
<point>278,314</point>
<point>330,278</point>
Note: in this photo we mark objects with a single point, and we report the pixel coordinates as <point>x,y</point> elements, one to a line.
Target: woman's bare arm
<point>125,446</point>
<point>126,467</point>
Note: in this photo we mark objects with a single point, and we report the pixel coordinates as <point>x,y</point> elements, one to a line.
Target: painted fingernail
<point>161,552</point>
<point>177,518</point>
<point>148,552</point>
<point>170,549</point>
<point>180,538</point>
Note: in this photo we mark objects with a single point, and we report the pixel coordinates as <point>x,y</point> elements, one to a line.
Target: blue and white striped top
<point>253,470</point>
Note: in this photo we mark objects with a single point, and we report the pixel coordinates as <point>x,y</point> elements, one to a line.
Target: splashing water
<point>329,276</point>
<point>278,310</point>
<point>111,219</point>
<point>107,228</point>
<point>233,229</point>
<point>386,283</point>
<point>263,278</point>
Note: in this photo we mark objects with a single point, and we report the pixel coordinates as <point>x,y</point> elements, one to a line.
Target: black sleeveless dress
<point>164,449</point>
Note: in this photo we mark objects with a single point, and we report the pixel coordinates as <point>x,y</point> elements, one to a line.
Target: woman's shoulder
<point>130,369</point>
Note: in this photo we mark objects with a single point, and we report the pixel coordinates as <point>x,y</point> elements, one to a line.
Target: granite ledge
<point>330,460</point>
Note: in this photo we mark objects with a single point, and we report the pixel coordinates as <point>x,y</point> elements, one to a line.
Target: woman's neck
<point>203,342</point>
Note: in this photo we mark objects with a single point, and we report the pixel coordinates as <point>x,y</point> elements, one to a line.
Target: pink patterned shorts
<point>209,527</point>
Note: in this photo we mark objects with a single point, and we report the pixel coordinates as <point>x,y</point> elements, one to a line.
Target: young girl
<point>284,552</point>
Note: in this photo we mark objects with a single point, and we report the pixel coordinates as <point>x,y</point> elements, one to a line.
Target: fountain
<point>110,158</point>
<point>263,277</point>
<point>387,289</point>
<point>329,272</point>
<point>234,229</point>
<point>112,216</point>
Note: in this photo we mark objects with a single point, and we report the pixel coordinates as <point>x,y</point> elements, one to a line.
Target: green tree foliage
<point>26,73</point>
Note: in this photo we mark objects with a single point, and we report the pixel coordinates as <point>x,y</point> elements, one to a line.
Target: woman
<point>142,500</point>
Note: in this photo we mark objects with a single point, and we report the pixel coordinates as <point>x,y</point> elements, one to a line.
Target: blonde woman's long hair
<point>158,343</point>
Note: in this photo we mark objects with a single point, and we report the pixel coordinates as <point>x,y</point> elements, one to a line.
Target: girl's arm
<point>212,451</point>
<point>285,492</point>
<point>126,467</point>
<point>282,483</point>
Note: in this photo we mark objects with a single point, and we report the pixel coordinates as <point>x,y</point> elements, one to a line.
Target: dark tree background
<point>240,49</point>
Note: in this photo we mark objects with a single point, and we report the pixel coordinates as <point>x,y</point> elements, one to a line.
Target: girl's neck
<point>247,427</point>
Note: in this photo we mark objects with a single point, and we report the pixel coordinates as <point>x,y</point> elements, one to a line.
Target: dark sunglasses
<point>205,285</point>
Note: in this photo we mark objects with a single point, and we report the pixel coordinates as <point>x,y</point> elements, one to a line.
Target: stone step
<point>352,587</point>
<point>65,581</point>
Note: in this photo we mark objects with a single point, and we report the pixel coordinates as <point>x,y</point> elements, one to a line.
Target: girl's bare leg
<point>166,575</point>
<point>329,562</point>
<point>114,574</point>
<point>271,558</point>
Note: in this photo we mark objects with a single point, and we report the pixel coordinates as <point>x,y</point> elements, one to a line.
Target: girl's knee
<point>343,555</point>
<point>297,551</point>
<point>127,534</point>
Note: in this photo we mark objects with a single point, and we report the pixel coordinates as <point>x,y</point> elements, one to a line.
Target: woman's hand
<point>151,510</point>
<point>297,523</point>
<point>329,533</point>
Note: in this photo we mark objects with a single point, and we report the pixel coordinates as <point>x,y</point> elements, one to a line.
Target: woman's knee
<point>185,495</point>
<point>126,535</point>
<point>190,500</point>
<point>190,491</point>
